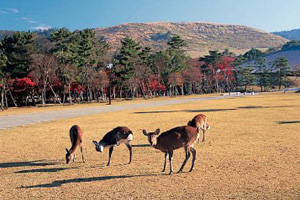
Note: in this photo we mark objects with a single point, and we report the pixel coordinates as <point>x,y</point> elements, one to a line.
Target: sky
<point>267,15</point>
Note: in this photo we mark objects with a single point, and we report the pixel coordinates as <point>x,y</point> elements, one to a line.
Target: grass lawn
<point>252,151</point>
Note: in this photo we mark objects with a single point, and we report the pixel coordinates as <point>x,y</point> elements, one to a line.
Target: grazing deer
<point>76,137</point>
<point>167,142</point>
<point>114,138</point>
<point>200,121</point>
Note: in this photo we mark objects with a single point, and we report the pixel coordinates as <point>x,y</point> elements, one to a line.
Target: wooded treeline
<point>67,67</point>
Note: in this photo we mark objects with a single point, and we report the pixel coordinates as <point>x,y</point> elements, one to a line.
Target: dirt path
<point>11,121</point>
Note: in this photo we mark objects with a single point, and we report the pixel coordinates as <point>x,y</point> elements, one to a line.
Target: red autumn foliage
<point>75,87</point>
<point>225,67</point>
<point>154,85</point>
<point>21,85</point>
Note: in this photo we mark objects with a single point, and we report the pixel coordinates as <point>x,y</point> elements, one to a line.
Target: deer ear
<point>95,142</point>
<point>67,150</point>
<point>157,131</point>
<point>145,132</point>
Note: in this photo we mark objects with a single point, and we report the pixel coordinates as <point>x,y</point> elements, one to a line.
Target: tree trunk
<point>55,95</point>
<point>2,98</point>
<point>12,98</point>
<point>70,96</point>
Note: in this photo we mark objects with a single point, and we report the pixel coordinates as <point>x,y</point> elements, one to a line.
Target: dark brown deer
<point>167,142</point>
<point>76,137</point>
<point>114,138</point>
<point>200,121</point>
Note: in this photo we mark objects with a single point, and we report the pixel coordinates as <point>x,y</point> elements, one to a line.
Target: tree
<point>245,76</point>
<point>3,61</point>
<point>281,65</point>
<point>210,70</point>
<point>44,69</point>
<point>252,54</point>
<point>17,49</point>
<point>263,73</point>
<point>126,61</point>
<point>64,49</point>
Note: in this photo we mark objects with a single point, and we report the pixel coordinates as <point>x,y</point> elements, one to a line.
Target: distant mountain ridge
<point>290,35</point>
<point>199,36</point>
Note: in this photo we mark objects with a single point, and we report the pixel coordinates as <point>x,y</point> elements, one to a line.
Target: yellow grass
<point>252,152</point>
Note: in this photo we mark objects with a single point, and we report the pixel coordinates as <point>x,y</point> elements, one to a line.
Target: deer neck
<point>156,145</point>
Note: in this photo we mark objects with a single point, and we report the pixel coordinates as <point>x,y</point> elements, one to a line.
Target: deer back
<point>117,134</point>
<point>76,136</point>
<point>198,121</point>
<point>177,138</point>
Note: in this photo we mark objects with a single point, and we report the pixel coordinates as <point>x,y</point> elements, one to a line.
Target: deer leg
<point>111,149</point>
<point>170,158</point>
<point>203,139</point>
<point>194,158</point>
<point>165,164</point>
<point>130,151</point>
<point>187,156</point>
<point>83,159</point>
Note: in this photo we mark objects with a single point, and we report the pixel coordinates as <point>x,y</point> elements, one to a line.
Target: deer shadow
<point>47,170</point>
<point>59,183</point>
<point>141,145</point>
<point>288,122</point>
<point>156,111</point>
<point>211,110</point>
<point>34,163</point>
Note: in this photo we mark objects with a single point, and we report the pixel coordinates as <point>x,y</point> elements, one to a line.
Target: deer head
<point>69,156</point>
<point>98,147</point>
<point>152,136</point>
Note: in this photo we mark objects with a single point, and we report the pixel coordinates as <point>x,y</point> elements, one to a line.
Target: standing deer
<point>114,138</point>
<point>167,142</point>
<point>76,137</point>
<point>200,121</point>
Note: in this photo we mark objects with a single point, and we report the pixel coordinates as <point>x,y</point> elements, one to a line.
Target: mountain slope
<point>290,35</point>
<point>200,37</point>
<point>291,54</point>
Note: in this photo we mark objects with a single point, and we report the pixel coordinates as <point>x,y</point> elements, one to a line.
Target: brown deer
<point>200,121</point>
<point>167,142</point>
<point>115,137</point>
<point>76,137</point>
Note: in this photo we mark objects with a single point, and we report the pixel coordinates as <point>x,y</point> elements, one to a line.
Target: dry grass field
<point>252,152</point>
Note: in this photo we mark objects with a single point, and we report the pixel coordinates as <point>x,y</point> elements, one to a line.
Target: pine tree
<point>281,65</point>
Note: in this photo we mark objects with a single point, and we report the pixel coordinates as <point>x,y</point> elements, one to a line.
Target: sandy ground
<point>252,152</point>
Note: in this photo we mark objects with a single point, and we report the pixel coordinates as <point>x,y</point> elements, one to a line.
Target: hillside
<point>291,54</point>
<point>200,37</point>
<point>290,35</point>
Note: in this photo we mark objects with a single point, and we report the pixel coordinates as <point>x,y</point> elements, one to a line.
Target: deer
<point>200,121</point>
<point>175,138</point>
<point>76,137</point>
<point>113,138</point>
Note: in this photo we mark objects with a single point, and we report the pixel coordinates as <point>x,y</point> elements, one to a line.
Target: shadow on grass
<point>288,122</point>
<point>173,111</point>
<point>210,110</point>
<point>157,111</point>
<point>141,145</point>
<point>26,164</point>
<point>47,170</point>
<point>84,180</point>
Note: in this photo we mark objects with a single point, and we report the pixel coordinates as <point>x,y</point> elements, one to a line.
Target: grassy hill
<point>200,37</point>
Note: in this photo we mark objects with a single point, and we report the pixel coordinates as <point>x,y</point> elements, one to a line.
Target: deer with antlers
<point>178,137</point>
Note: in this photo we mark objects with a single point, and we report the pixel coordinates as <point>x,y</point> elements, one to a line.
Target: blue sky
<point>268,15</point>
